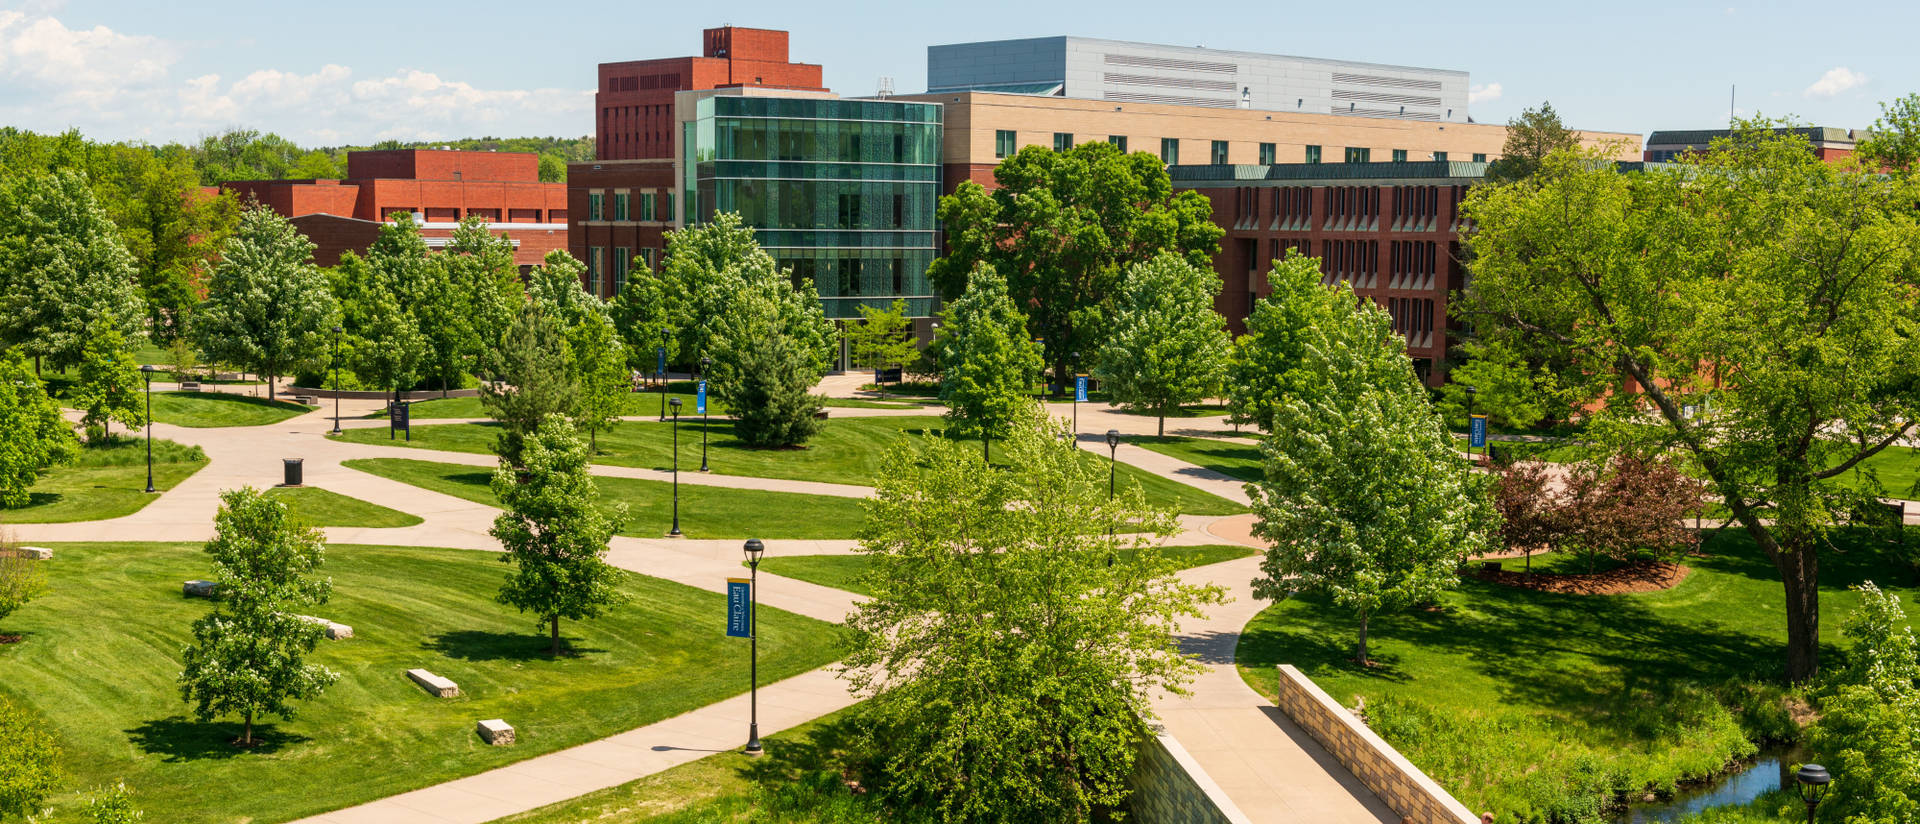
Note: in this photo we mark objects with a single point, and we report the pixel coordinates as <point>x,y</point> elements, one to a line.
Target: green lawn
<point>843,571</point>
<point>1506,696</point>
<point>102,654</point>
<point>634,403</point>
<point>705,511</point>
<point>1898,468</point>
<point>215,409</point>
<point>846,450</point>
<point>1237,460</point>
<point>320,507</point>
<point>106,481</point>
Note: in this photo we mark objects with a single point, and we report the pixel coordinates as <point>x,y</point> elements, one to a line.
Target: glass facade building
<point>842,192</point>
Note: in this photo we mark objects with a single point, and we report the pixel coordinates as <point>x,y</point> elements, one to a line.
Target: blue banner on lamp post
<point>739,608</point>
<point>1080,388</point>
<point>1478,438</point>
<point>700,399</point>
<point>662,368</point>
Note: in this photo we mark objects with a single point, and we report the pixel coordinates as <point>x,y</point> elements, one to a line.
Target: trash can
<point>293,472</point>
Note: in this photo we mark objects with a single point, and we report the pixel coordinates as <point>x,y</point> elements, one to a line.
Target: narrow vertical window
<point>1219,152</point>
<point>1267,154</point>
<point>1003,142</point>
<point>1170,151</point>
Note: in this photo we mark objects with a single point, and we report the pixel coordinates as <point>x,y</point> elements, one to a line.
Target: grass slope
<point>1657,686</point>
<point>107,480</point>
<point>843,571</point>
<point>203,410</point>
<point>1236,460</point>
<point>118,715</point>
<point>847,451</point>
<point>320,507</point>
<point>705,511</point>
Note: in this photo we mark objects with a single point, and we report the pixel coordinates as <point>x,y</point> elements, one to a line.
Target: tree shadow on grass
<point>829,746</point>
<point>1320,641</point>
<point>477,645</point>
<point>183,739</point>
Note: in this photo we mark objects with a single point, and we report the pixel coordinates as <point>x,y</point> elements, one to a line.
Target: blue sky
<point>356,72</point>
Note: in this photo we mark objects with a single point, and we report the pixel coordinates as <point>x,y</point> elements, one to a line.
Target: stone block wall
<point>1402,786</point>
<point>1170,788</point>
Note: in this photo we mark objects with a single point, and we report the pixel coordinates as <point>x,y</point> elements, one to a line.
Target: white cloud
<point>1837,79</point>
<point>1483,93</point>
<point>115,85</point>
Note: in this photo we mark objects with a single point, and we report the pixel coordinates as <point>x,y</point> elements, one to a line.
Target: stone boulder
<point>496,732</point>
<point>434,685</point>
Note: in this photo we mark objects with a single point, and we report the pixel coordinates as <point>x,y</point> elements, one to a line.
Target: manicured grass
<point>1898,468</point>
<point>1237,460</point>
<point>1657,686</point>
<point>846,451</point>
<point>705,511</point>
<point>107,480</point>
<point>216,409</point>
<point>320,507</point>
<point>863,403</point>
<point>843,571</point>
<point>102,654</point>
<point>634,403</point>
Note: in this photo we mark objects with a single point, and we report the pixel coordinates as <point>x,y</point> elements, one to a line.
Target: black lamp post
<point>146,373</point>
<point>704,363</point>
<point>675,531</point>
<point>1075,358</point>
<point>336,380</point>
<point>663,376</point>
<point>1113,470</point>
<point>754,550</point>
<point>1813,780</point>
<point>1471,391</point>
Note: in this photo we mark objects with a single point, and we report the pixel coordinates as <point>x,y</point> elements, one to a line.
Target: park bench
<point>189,386</point>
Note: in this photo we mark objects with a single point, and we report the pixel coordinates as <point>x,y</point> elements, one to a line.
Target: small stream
<point>1771,769</point>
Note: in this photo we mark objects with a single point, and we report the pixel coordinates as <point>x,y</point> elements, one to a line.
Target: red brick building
<point>1827,142</point>
<point>440,188</point>
<point>623,202</point>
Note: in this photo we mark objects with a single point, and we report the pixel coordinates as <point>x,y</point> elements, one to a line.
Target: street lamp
<point>1113,455</point>
<point>1471,391</point>
<point>675,531</point>
<point>336,380</point>
<point>1813,780</point>
<point>1074,357</point>
<point>146,373</point>
<point>754,550</point>
<point>704,363</point>
<point>663,376</point>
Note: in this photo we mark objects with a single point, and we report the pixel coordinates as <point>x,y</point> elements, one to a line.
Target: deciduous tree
<point>883,338</point>
<point>985,358</point>
<point>33,436</point>
<point>29,761</point>
<point>248,655</point>
<point>1868,735</point>
<point>1364,498</point>
<point>1165,346</point>
<point>109,388</point>
<point>268,308</point>
<point>647,318</point>
<point>64,272</point>
<point>554,534</point>
<point>600,373</point>
<point>1270,363</point>
<point>1012,640</point>
<point>536,380</point>
<point>1532,136</point>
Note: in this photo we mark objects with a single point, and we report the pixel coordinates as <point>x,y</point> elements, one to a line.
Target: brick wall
<point>1405,789</point>
<point>1169,787</point>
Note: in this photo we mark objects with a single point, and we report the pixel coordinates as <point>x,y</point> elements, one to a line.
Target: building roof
<point>1378,173</point>
<point>1702,137</point>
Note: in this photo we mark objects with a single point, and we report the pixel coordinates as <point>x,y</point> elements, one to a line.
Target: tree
<point>171,227</point>
<point>600,370</point>
<point>389,349</point>
<point>1893,143</point>
<point>33,436</point>
<point>774,393</point>
<point>1270,364</point>
<point>21,579</point>
<point>1628,505</point>
<point>727,295</point>
<point>1532,136</point>
<point>1364,497</point>
<point>248,653</point>
<point>109,386</point>
<point>646,318</point>
<point>1507,388</point>
<point>1062,227</point>
<point>883,337</point>
<point>556,285</point>
<point>553,533</point>
<point>537,373</point>
<point>1757,306</point>
<point>1532,509</point>
<point>1012,640</point>
<point>480,267</point>
<point>29,761</point>
<point>1165,346</point>
<point>985,358</point>
<point>64,274</point>
<point>268,308</point>
<point>1868,736</point>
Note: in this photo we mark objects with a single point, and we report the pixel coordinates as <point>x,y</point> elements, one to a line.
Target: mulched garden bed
<point>1640,576</point>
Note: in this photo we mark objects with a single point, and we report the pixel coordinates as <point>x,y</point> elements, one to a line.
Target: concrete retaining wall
<point>354,394</point>
<point>1402,786</point>
<point>1169,787</point>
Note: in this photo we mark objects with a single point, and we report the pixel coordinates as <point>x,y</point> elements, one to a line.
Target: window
<point>595,255</point>
<point>849,212</point>
<point>594,204</point>
<point>1313,154</point>
<point>622,259</point>
<point>1119,141</point>
<point>1440,156</point>
<point>1062,141</point>
<point>1359,155</point>
<point>646,207</point>
<point>899,276</point>
<point>666,207</point>
<point>1399,155</point>
<point>1479,157</point>
<point>620,205</point>
<point>1219,152</point>
<point>1170,151</point>
<point>1268,154</point>
<point>1003,143</point>
<point>849,277</point>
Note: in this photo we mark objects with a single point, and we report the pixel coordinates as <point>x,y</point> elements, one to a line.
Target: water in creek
<point>1771,770</point>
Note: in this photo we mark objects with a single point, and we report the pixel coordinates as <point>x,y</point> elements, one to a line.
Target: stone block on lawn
<point>335,632</point>
<point>434,684</point>
<point>306,400</point>
<point>36,553</point>
<point>496,732</point>
<point>198,589</point>
<point>189,386</point>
